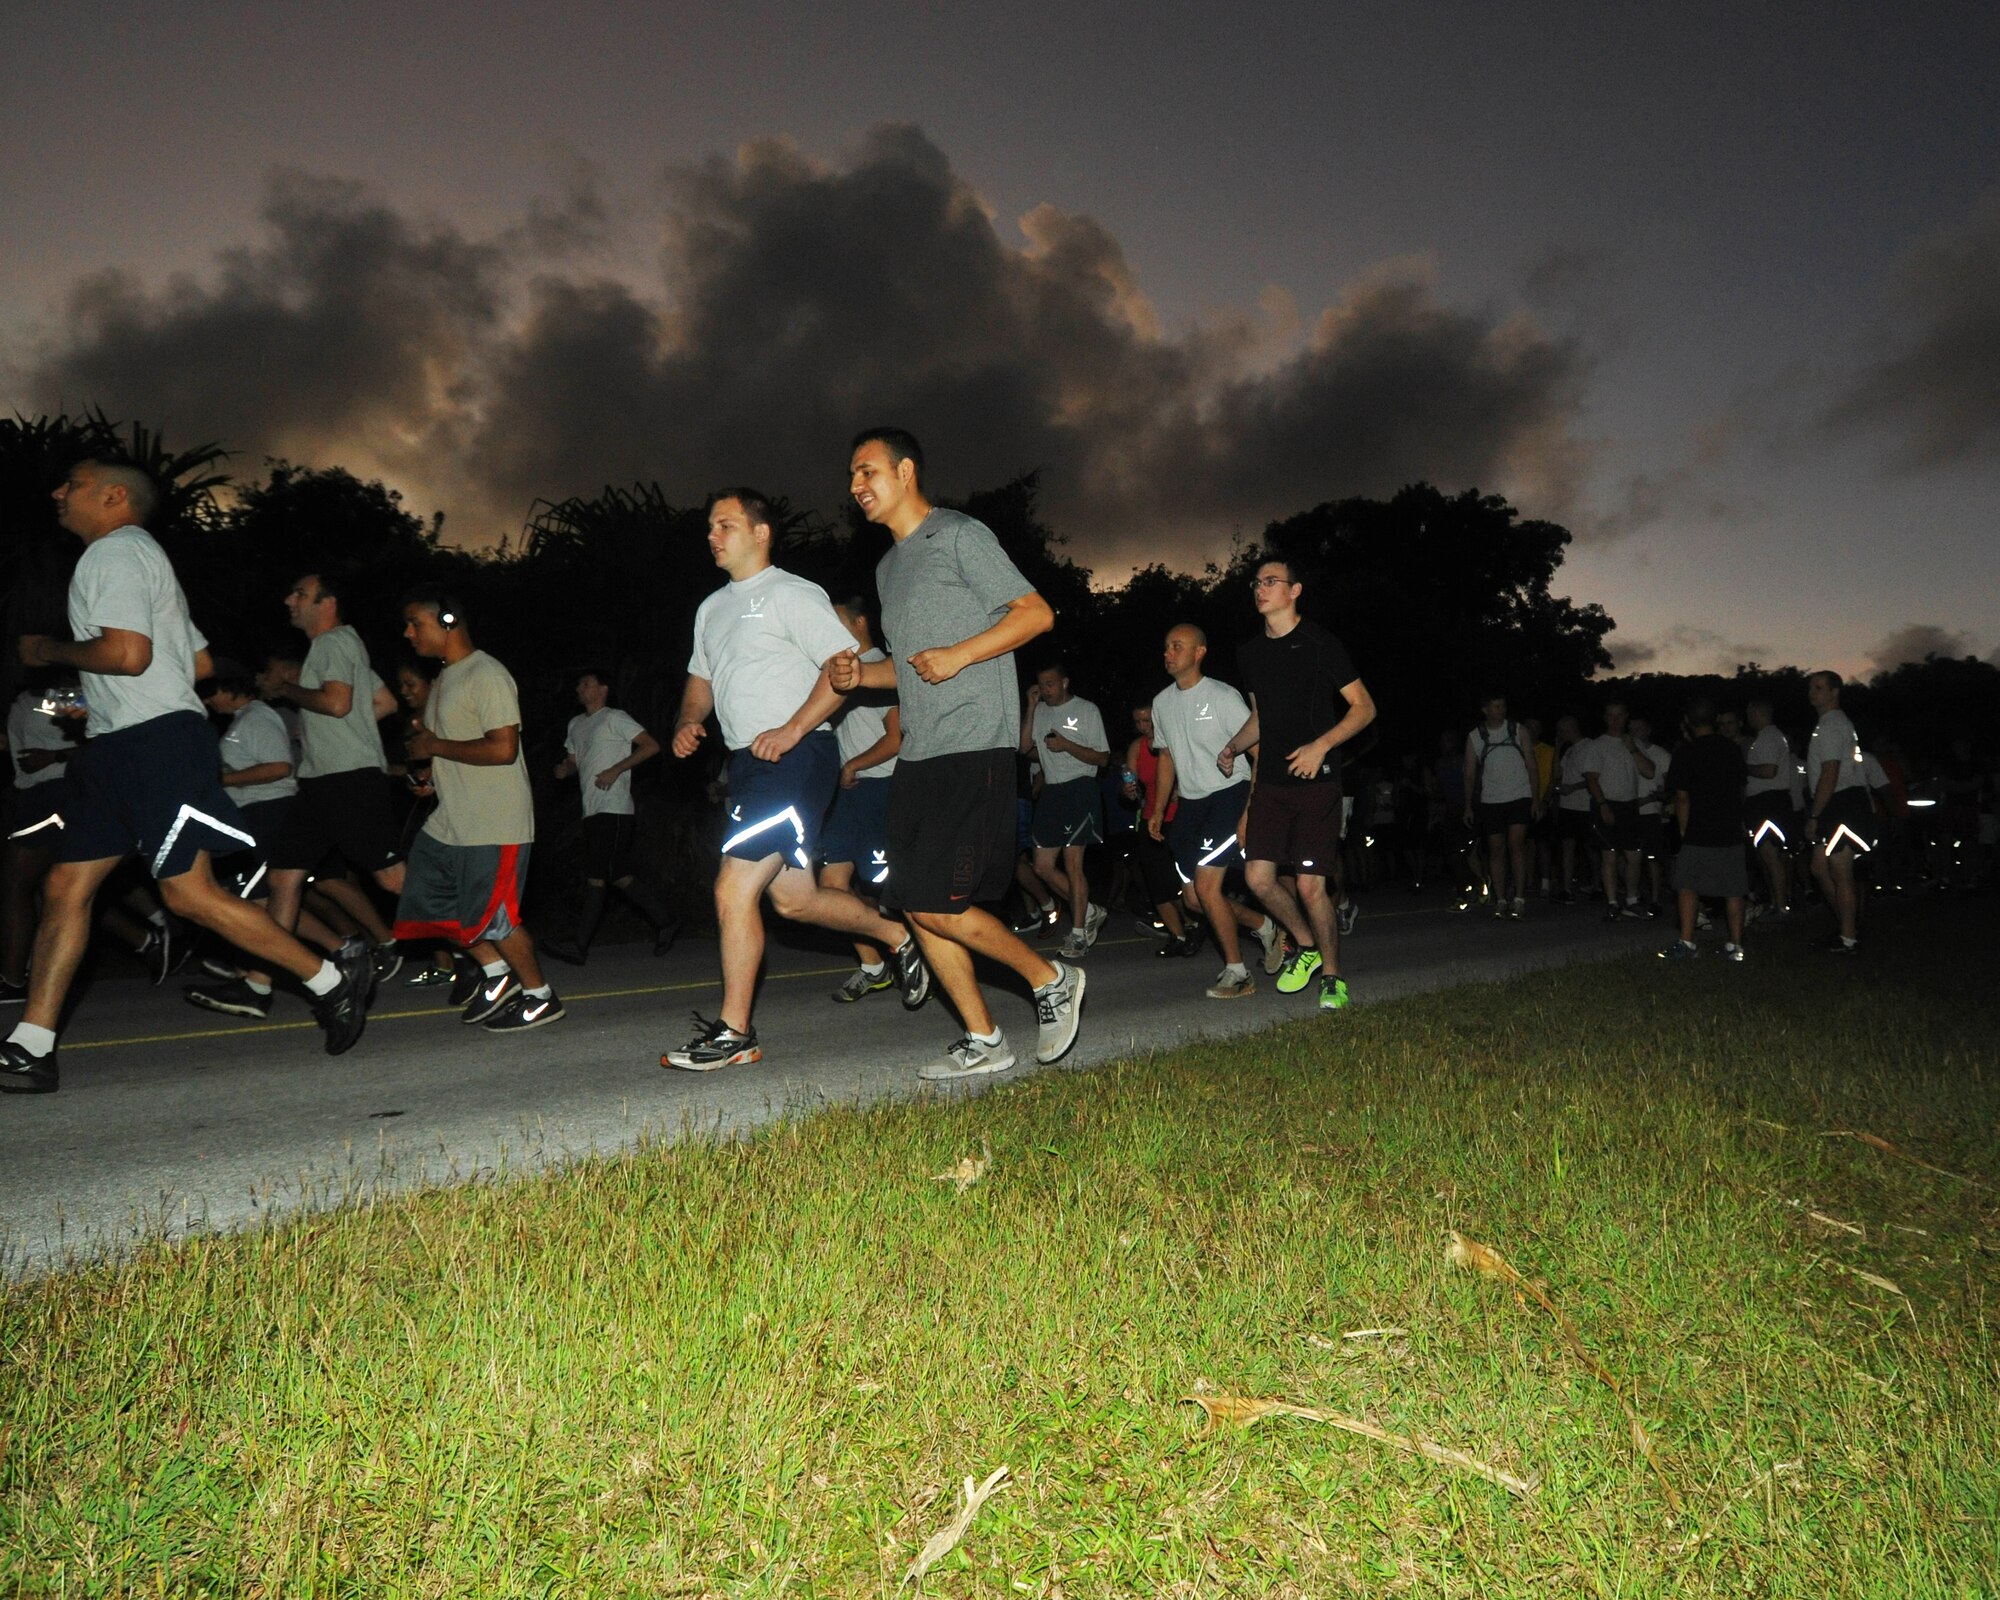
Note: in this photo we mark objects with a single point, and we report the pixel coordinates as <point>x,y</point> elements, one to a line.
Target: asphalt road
<point>168,1123</point>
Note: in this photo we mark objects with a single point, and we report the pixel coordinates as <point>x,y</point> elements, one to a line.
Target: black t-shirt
<point>1709,770</point>
<point>1296,682</point>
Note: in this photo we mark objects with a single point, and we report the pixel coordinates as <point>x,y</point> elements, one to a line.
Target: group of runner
<point>871,792</point>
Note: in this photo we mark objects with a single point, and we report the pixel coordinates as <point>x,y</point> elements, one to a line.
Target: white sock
<point>1236,971</point>
<point>257,985</point>
<point>157,918</point>
<point>876,970</point>
<point>987,1038</point>
<point>545,992</point>
<point>1048,906</point>
<point>493,969</point>
<point>1268,927</point>
<point>36,1041</point>
<point>1076,928</point>
<point>1062,972</point>
<point>324,981</point>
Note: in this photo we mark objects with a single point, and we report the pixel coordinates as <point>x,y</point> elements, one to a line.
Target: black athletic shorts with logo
<point>1296,825</point>
<point>1848,823</point>
<point>950,831</point>
<point>154,790</point>
<point>344,812</point>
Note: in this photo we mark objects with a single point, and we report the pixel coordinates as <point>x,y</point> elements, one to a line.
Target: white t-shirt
<point>257,735</point>
<point>1504,777</point>
<point>1575,796</point>
<point>1834,741</point>
<point>29,727</point>
<point>1192,726</point>
<point>1770,749</point>
<point>1651,790</point>
<point>1078,721</point>
<point>866,719</point>
<point>603,739</point>
<point>761,643</point>
<point>1617,773</point>
<point>351,743</point>
<point>124,580</point>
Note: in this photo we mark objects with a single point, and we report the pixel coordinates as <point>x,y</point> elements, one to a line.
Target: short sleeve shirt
<point>761,643</point>
<point>599,740</point>
<point>340,744</point>
<point>1653,789</point>
<point>255,736</point>
<point>1617,773</point>
<point>1709,771</point>
<point>1077,720</point>
<point>29,727</point>
<point>865,720</point>
<point>1575,796</point>
<point>1192,726</point>
<point>478,805</point>
<point>124,580</point>
<point>1501,760</point>
<point>1835,741</point>
<point>1770,749</point>
<point>944,584</point>
<point>1296,682</point>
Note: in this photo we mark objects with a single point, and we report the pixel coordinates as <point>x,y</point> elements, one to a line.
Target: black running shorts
<point>950,831</point>
<point>339,812</point>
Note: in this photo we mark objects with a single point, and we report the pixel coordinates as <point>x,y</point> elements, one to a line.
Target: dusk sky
<point>1716,287</point>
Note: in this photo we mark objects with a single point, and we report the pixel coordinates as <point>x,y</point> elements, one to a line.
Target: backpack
<point>1487,745</point>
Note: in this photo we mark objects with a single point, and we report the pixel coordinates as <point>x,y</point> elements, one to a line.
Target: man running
<point>146,780</point>
<point>956,609</point>
<point>1065,733</point>
<point>342,804</point>
<point>601,749</point>
<point>1306,701</point>
<point>1502,798</point>
<point>855,848</point>
<point>1840,818</point>
<point>1193,718</point>
<point>469,861</point>
<point>762,646</point>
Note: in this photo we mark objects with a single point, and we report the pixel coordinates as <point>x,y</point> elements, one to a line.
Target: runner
<point>1065,732</point>
<point>1306,701</point>
<point>1502,799</point>
<point>146,780</point>
<point>1193,718</point>
<point>855,850</point>
<point>956,609</point>
<point>601,749</point>
<point>762,645</point>
<point>1840,819</point>
<point>470,859</point>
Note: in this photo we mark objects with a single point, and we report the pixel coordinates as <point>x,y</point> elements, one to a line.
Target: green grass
<point>763,1367</point>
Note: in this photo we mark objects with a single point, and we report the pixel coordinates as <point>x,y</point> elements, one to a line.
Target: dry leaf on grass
<point>1238,1411</point>
<point>1836,1224</point>
<point>1867,1277</point>
<point>967,1171</point>
<point>1377,1333</point>
<point>945,1540</point>
<point>1490,1263</point>
<point>1875,1141</point>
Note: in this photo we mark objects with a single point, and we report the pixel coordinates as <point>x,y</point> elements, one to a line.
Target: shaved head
<point>1189,632</point>
<point>142,499</point>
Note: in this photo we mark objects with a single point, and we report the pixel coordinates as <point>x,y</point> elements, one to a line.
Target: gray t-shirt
<point>478,805</point>
<point>761,643</point>
<point>1077,720</point>
<point>948,581</point>
<point>255,735</point>
<point>861,726</point>
<point>600,740</point>
<point>340,744</point>
<point>1617,773</point>
<point>1192,726</point>
<point>125,580</point>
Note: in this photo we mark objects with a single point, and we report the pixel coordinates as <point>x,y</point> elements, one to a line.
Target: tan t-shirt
<point>478,805</point>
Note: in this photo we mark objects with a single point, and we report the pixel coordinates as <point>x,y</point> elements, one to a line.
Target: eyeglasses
<point>1268,583</point>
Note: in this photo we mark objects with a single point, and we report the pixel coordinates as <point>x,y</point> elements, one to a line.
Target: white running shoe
<point>1272,937</point>
<point>1058,1009</point>
<point>969,1058</point>
<point>1094,919</point>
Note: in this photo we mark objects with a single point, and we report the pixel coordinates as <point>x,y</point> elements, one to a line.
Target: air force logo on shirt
<point>756,611</point>
<point>1203,714</point>
<point>1069,725</point>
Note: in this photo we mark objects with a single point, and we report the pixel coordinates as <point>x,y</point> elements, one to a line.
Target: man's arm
<point>1308,758</point>
<point>1087,754</point>
<point>848,672</point>
<point>817,707</point>
<point>691,725</point>
<point>1471,779</point>
<point>1640,759</point>
<point>878,752</point>
<point>1027,617</point>
<point>1245,738</point>
<point>331,699</point>
<point>1829,780</point>
<point>1163,788</point>
<point>1681,809</point>
<point>644,748</point>
<point>384,702</point>
<point>263,772</point>
<point>116,653</point>
<point>497,747</point>
<point>41,760</point>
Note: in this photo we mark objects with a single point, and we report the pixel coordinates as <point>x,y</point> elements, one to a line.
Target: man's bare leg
<point>1318,907</point>
<point>1224,915</point>
<point>1262,876</point>
<point>838,878</point>
<point>1052,870</point>
<point>949,944</point>
<point>1079,884</point>
<point>68,892</point>
<point>739,895</point>
<point>798,898</point>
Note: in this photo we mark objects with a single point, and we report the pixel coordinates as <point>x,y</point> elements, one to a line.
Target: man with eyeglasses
<point>1306,701</point>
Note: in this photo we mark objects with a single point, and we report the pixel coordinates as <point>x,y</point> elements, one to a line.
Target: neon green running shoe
<point>1299,967</point>
<point>1333,994</point>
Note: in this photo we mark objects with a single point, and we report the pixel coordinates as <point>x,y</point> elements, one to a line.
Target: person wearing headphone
<point>469,861</point>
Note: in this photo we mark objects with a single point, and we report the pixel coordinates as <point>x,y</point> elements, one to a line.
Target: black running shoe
<point>715,1044</point>
<point>912,976</point>
<point>489,996</point>
<point>158,954</point>
<point>526,1011</point>
<point>234,999</point>
<point>358,955</point>
<point>465,980</point>
<point>663,938</point>
<point>388,961</point>
<point>22,1073</point>
<point>344,1013</point>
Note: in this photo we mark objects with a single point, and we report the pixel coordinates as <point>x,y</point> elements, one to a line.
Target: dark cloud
<point>1938,392</point>
<point>1916,640</point>
<point>1683,648</point>
<point>798,300</point>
